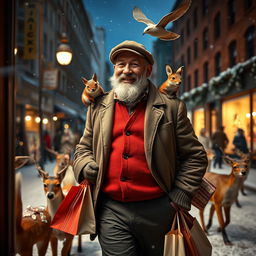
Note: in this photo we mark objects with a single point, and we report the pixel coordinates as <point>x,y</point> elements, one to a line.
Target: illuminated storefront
<point>236,114</point>
<point>198,120</point>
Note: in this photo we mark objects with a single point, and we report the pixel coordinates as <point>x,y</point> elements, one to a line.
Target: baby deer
<point>227,187</point>
<point>92,90</point>
<point>171,86</point>
<point>34,227</point>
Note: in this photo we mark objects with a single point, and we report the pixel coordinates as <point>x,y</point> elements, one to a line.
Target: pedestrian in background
<point>239,141</point>
<point>206,142</point>
<point>219,143</point>
<point>47,144</point>
<point>140,151</point>
<point>67,142</point>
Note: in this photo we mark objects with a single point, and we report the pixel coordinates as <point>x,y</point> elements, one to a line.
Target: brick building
<point>218,48</point>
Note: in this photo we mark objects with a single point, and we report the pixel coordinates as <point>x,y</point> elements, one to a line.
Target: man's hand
<point>177,207</point>
<point>90,172</point>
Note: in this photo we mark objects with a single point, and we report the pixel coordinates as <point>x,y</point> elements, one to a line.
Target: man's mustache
<point>124,76</point>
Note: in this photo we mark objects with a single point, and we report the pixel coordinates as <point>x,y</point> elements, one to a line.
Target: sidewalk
<point>250,182</point>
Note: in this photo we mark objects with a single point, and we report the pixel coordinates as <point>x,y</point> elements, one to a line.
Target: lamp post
<point>64,53</point>
<point>64,57</point>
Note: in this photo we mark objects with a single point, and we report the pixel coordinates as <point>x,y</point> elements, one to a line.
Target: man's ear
<point>149,70</point>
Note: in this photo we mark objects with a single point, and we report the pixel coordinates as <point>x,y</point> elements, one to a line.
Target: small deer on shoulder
<point>227,188</point>
<point>171,86</point>
<point>92,90</point>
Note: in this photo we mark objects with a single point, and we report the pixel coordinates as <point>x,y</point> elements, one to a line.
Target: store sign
<point>30,14</point>
<point>50,79</point>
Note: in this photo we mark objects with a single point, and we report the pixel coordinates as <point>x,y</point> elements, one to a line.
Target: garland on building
<point>229,79</point>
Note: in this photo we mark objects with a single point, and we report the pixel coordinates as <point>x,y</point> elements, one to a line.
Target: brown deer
<point>54,196</point>
<point>34,227</point>
<point>227,187</point>
<point>62,161</point>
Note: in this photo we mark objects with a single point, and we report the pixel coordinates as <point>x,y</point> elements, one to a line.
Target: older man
<point>140,151</point>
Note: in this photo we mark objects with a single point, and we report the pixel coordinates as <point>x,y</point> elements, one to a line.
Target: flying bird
<point>158,30</point>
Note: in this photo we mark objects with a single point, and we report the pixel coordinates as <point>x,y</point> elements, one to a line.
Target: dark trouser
<point>218,157</point>
<point>134,228</point>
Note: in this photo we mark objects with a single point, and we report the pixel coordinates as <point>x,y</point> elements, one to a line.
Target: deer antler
<point>20,161</point>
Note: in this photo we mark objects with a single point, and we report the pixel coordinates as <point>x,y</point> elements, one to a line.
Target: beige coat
<point>175,157</point>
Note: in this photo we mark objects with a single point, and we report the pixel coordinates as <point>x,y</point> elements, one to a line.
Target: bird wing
<point>140,16</point>
<point>169,36</point>
<point>176,14</point>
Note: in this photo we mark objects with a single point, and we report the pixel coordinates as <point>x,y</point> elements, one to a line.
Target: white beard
<point>129,93</point>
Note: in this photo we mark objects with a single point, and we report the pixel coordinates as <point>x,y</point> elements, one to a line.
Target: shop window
<point>188,28</point>
<point>236,114</point>
<point>217,64</point>
<point>253,117</point>
<point>198,120</point>
<point>45,45</point>
<point>249,41</point>
<point>188,55</point>
<point>182,89</point>
<point>231,12</point>
<point>232,53</point>
<point>189,83</point>
<point>217,26</point>
<point>196,78</point>
<point>206,72</point>
<point>195,48</point>
<point>205,38</point>
<point>205,7</point>
<point>195,18</point>
<point>182,37</point>
<point>248,4</point>
<point>213,114</point>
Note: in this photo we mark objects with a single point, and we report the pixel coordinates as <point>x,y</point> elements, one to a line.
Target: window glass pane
<point>198,120</point>
<point>236,114</point>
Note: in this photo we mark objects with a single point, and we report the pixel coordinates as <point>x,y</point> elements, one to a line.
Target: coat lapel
<point>106,123</point>
<point>153,116</point>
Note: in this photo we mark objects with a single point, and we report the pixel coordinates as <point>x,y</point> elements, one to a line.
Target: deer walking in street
<point>34,227</point>
<point>227,188</point>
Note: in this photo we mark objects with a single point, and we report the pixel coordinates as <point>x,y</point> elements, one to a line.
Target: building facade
<point>61,86</point>
<point>218,48</point>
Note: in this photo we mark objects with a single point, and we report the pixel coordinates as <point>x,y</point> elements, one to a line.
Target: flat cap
<point>131,46</point>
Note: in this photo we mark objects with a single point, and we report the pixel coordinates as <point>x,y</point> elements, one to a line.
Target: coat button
<point>128,133</point>
<point>125,156</point>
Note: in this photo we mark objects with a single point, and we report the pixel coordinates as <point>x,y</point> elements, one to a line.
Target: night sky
<point>116,17</point>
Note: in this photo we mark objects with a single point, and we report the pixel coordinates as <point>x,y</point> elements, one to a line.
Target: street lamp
<point>64,57</point>
<point>64,53</point>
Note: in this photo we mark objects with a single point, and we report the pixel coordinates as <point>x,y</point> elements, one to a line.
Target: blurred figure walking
<point>239,141</point>
<point>219,143</point>
<point>67,142</point>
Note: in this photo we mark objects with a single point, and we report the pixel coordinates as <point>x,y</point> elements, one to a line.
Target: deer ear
<point>62,173</point>
<point>180,70</point>
<point>84,80</point>
<point>94,77</point>
<point>168,69</point>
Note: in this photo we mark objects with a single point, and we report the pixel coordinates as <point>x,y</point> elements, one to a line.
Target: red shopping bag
<point>75,214</point>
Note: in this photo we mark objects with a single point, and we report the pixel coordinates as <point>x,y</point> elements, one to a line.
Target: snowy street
<point>241,230</point>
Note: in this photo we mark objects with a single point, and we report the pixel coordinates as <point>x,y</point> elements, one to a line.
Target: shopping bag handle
<point>84,182</point>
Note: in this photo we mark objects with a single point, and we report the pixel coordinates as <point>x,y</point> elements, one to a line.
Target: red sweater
<point>128,177</point>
